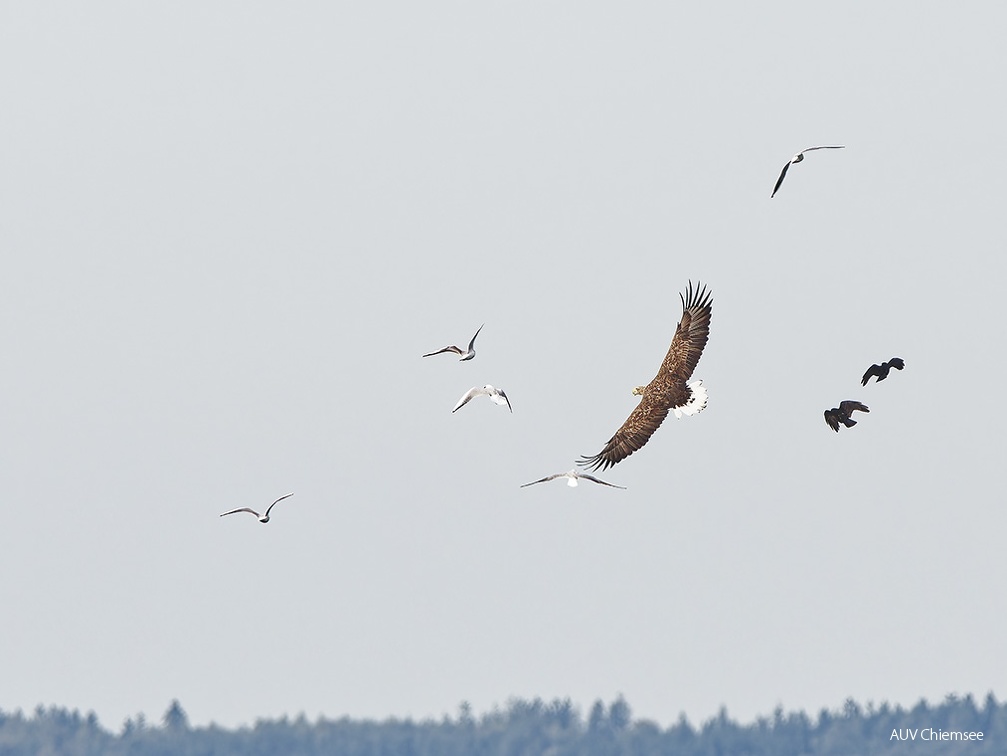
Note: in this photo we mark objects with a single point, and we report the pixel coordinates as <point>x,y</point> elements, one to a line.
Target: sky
<point>229,231</point>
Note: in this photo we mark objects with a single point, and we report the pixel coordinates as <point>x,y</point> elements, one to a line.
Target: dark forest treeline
<point>529,728</point>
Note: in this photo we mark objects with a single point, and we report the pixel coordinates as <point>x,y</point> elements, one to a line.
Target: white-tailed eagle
<point>669,391</point>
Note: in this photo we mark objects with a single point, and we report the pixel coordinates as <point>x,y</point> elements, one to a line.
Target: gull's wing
<point>596,480</point>
<point>500,391</point>
<point>242,509</point>
<point>789,162</point>
<point>780,179</point>
<point>546,479</point>
<point>472,392</point>
<point>285,496</point>
<point>850,405</point>
<point>453,349</point>
<point>872,370</point>
<point>832,418</point>
<point>472,343</point>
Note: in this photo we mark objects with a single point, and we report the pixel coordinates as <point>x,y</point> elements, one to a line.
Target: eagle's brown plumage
<point>668,390</point>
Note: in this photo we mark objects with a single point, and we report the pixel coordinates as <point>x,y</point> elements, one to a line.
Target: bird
<point>497,396</point>
<point>668,391</point>
<point>797,159</point>
<point>842,413</point>
<point>571,479</point>
<point>263,517</point>
<point>881,371</point>
<point>466,354</point>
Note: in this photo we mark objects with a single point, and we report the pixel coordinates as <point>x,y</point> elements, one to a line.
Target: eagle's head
<point>638,391</point>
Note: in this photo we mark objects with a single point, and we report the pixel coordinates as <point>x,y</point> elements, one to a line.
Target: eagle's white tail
<point>696,403</point>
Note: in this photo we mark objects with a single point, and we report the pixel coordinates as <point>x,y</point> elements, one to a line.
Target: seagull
<point>497,396</point>
<point>571,479</point>
<point>468,354</point>
<point>881,371</point>
<point>797,159</point>
<point>841,414</point>
<point>263,517</point>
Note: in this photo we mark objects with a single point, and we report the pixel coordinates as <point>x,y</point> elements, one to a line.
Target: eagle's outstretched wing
<point>668,389</point>
<point>689,341</point>
<point>645,418</point>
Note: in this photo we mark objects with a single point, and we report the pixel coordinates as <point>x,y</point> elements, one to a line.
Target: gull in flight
<point>571,479</point>
<point>467,354</point>
<point>262,517</point>
<point>797,159</point>
<point>497,396</point>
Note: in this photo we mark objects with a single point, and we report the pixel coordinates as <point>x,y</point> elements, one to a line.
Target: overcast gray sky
<point>230,229</point>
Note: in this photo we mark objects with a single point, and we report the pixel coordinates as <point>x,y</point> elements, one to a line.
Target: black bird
<point>881,371</point>
<point>841,414</point>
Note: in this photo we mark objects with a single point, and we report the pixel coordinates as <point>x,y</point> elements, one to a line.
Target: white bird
<point>571,481</point>
<point>797,159</point>
<point>497,396</point>
<point>262,517</point>
<point>467,354</point>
